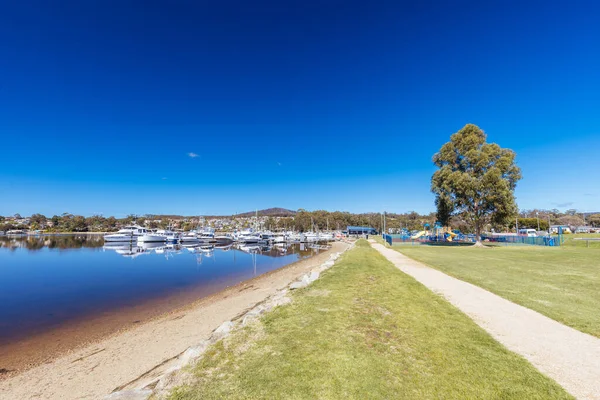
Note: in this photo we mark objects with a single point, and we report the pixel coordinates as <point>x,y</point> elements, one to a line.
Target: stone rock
<point>258,310</point>
<point>134,394</point>
<point>222,331</point>
<point>248,318</point>
<point>254,314</point>
<point>301,283</point>
<point>193,352</point>
<point>313,276</point>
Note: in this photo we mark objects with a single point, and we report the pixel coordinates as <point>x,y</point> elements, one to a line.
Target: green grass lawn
<point>365,330</point>
<point>561,283</point>
<point>570,242</point>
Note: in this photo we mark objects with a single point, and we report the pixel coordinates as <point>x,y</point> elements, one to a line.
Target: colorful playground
<point>430,235</point>
<point>446,236</point>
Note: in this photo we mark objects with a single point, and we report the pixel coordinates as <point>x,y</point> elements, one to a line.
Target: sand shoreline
<point>95,370</point>
<point>23,353</point>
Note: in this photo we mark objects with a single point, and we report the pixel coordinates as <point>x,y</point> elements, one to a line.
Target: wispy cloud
<point>565,204</point>
<point>589,194</point>
<point>278,163</point>
<point>164,179</point>
<point>193,155</point>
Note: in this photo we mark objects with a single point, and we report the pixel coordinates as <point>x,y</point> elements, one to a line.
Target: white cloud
<point>193,155</point>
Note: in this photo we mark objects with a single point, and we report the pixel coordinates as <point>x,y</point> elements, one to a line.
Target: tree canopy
<point>475,179</point>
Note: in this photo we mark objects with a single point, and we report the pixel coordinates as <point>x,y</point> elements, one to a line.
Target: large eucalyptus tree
<point>475,179</point>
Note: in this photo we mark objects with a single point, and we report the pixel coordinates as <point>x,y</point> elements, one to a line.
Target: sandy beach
<point>95,369</point>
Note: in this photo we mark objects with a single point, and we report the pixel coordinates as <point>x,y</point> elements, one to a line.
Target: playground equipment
<point>450,235</point>
<point>437,233</point>
<point>424,232</point>
<point>441,233</point>
<point>419,234</point>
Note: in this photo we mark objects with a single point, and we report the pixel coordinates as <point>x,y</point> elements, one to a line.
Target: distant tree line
<point>305,220</point>
<point>67,222</point>
<point>338,220</point>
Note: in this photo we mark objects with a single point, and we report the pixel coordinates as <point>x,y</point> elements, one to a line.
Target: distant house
<point>555,228</point>
<point>584,229</point>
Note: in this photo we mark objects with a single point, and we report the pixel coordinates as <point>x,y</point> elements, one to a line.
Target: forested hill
<point>269,212</point>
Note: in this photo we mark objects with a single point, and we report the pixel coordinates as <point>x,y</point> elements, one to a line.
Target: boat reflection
<point>133,250</point>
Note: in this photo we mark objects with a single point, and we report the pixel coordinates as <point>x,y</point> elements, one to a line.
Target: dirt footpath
<point>570,357</point>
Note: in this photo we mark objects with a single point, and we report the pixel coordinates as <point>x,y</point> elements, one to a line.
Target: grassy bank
<point>561,283</point>
<point>365,330</point>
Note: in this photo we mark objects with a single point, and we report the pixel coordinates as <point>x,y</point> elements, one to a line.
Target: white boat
<point>294,237</point>
<point>280,239</point>
<point>268,236</point>
<point>189,238</point>
<point>126,234</point>
<point>16,232</point>
<point>161,235</point>
<point>308,237</point>
<point>206,235</point>
<point>247,236</point>
<point>326,236</point>
<point>224,239</point>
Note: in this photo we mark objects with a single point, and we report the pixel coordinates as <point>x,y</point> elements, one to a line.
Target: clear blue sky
<point>319,105</point>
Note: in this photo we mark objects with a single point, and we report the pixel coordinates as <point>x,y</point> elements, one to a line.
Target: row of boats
<point>134,233</point>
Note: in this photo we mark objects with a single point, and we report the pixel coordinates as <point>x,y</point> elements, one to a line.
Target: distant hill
<point>269,212</point>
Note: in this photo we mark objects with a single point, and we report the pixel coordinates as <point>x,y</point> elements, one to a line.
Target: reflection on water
<point>132,249</point>
<point>64,242</point>
<point>46,281</point>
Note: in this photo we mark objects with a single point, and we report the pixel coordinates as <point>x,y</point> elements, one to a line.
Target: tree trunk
<point>478,232</point>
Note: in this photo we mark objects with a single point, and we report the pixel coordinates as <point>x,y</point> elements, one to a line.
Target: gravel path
<point>570,357</point>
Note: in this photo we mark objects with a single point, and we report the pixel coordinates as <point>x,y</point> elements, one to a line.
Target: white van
<point>528,232</point>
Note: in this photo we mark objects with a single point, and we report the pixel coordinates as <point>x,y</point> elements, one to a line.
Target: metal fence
<point>506,240</point>
<point>524,240</point>
<point>405,240</point>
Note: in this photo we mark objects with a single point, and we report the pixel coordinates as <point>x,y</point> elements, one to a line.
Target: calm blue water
<point>47,281</point>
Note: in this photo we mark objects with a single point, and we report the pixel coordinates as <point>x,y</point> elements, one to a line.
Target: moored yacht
<point>161,235</point>
<point>248,236</point>
<point>310,237</point>
<point>280,238</point>
<point>267,236</point>
<point>126,234</point>
<point>16,232</point>
<point>189,238</point>
<point>224,239</point>
<point>206,235</point>
<point>326,236</point>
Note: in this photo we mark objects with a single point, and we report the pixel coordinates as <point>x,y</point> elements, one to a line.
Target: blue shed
<point>361,230</point>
